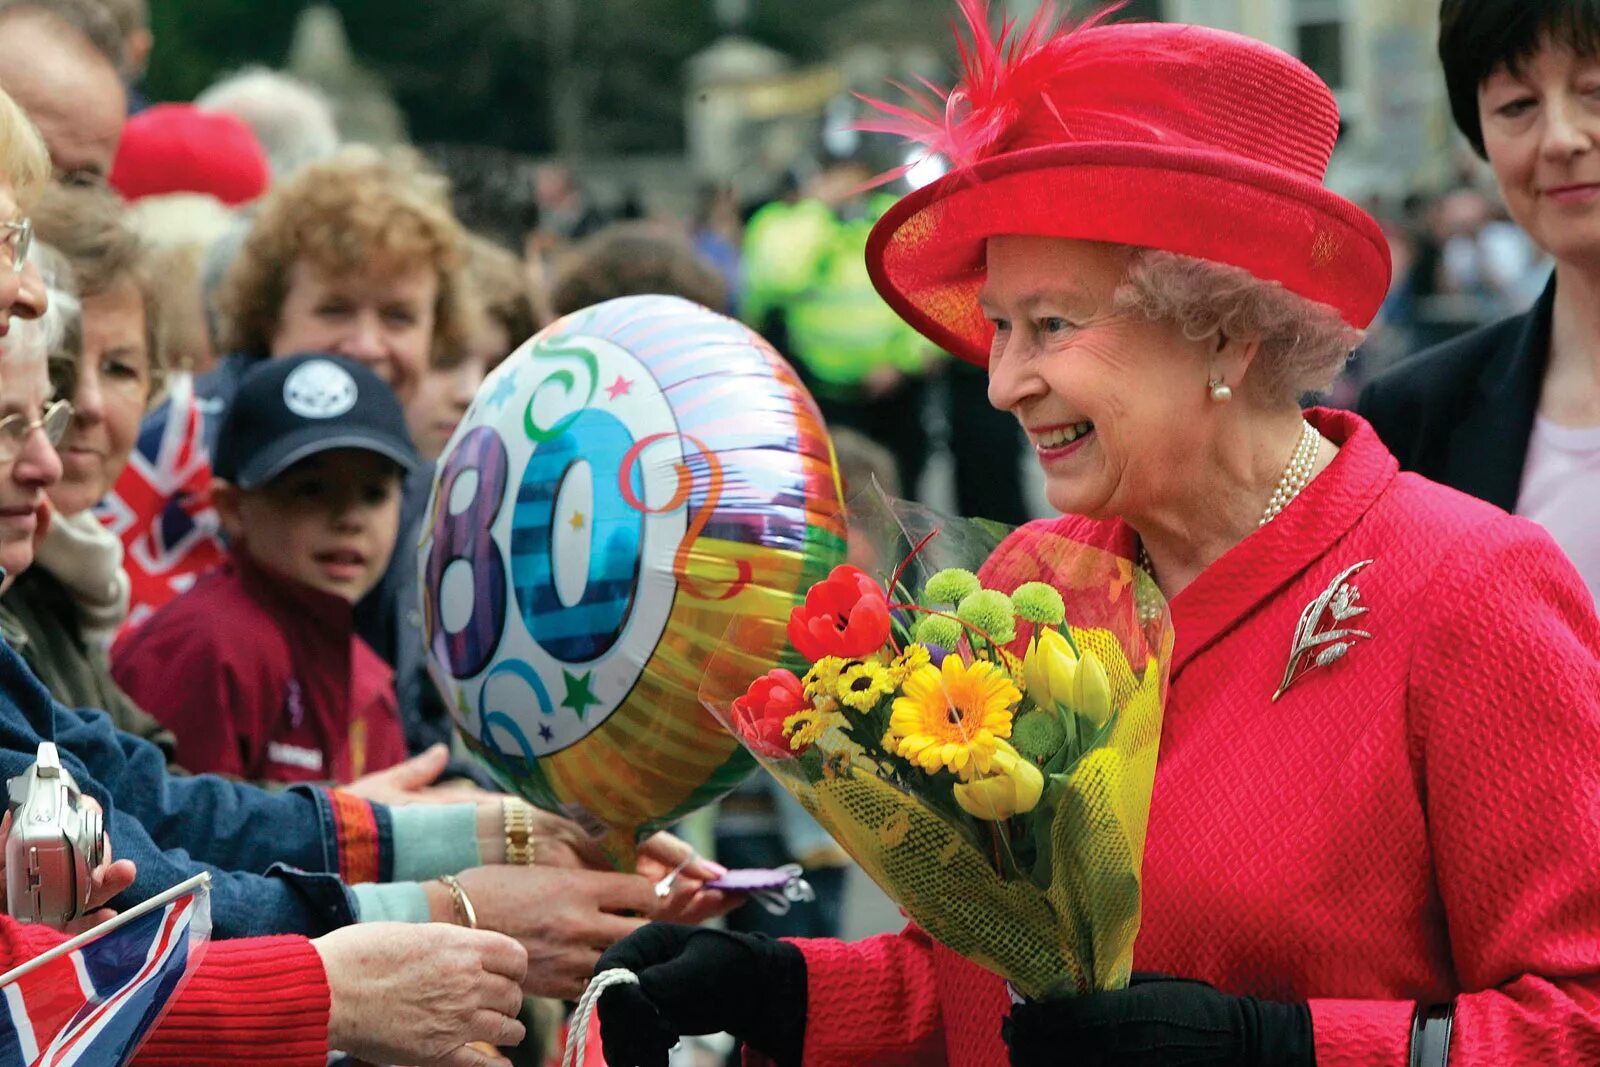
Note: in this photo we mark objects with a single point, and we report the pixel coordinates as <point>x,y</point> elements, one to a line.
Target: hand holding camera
<point>58,865</point>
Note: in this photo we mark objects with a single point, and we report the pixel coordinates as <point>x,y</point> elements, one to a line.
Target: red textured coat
<point>263,678</point>
<point>1419,820</point>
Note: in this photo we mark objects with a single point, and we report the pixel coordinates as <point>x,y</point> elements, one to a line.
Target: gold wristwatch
<point>520,843</point>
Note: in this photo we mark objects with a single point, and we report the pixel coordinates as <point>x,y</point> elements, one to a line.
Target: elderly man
<point>53,62</point>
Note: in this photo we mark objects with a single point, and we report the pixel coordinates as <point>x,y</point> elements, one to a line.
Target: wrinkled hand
<point>403,993</point>
<point>105,881</point>
<point>699,981</point>
<point>564,918</point>
<point>416,781</point>
<point>1161,1022</point>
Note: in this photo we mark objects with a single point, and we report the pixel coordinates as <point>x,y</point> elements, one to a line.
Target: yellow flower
<point>954,715</point>
<point>1091,690</point>
<point>805,728</point>
<point>823,677</point>
<point>1049,669</point>
<point>908,663</point>
<point>863,685</point>
<point>1012,787</point>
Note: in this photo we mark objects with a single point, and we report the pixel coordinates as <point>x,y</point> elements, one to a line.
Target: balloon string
<point>577,1050</point>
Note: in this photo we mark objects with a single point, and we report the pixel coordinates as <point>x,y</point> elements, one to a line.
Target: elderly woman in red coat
<point>1373,848</point>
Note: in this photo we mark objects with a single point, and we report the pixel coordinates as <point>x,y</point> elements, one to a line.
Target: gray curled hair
<point>1304,344</point>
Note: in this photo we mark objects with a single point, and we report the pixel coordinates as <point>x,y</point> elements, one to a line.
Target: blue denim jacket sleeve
<point>274,857</point>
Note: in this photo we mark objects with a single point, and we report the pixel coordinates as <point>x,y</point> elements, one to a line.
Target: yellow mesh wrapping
<point>1075,937</point>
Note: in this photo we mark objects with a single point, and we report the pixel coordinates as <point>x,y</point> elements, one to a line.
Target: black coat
<point>1461,413</point>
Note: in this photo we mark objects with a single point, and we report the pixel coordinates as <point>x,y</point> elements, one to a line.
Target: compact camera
<point>56,843</point>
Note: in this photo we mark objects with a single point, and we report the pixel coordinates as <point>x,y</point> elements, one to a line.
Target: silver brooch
<point>1321,638</point>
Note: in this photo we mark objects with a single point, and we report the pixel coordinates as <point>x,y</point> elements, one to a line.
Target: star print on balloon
<point>621,387</point>
<point>579,696</point>
<point>577,520</point>
<point>504,390</point>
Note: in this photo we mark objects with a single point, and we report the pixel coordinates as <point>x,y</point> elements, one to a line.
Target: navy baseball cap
<point>289,408</point>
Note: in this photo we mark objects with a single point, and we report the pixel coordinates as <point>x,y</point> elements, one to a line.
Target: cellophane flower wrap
<point>975,719</point>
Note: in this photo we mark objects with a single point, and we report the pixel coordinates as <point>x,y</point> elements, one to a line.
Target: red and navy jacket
<point>264,678</point>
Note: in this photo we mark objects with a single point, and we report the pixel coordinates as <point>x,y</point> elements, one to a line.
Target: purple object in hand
<point>753,881</point>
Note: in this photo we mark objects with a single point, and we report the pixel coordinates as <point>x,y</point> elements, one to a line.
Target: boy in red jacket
<point>258,669</point>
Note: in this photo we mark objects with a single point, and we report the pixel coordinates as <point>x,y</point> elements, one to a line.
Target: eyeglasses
<point>15,429</point>
<point>16,238</point>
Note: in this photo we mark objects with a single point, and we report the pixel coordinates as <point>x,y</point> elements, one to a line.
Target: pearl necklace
<point>1296,476</point>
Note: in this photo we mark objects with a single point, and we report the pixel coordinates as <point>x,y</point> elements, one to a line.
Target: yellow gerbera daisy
<point>805,728</point>
<point>908,662</point>
<point>952,715</point>
<point>863,685</point>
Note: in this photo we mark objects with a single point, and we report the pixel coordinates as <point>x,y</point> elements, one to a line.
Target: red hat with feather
<point>1181,138</point>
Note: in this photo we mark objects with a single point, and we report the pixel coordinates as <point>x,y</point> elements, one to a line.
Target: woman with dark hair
<point>1511,413</point>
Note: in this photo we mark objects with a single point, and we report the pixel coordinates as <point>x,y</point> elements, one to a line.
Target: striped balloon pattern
<point>638,490</point>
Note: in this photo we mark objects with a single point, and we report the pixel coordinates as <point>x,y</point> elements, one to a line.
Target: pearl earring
<point>1220,393</point>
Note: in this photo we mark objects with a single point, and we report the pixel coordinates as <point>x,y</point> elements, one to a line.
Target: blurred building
<point>1379,57</point>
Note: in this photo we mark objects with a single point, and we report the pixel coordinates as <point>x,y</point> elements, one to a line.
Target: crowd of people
<point>232,348</point>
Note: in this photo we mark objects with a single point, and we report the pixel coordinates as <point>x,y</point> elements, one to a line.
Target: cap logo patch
<point>319,389</point>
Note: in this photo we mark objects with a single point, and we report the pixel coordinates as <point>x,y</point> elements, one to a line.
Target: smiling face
<point>1112,403</point>
<point>1541,131</point>
<point>113,387</point>
<point>329,521</point>
<point>382,318</point>
<point>30,465</point>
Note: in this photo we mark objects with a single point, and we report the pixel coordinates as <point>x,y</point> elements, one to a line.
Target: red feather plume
<point>1005,78</point>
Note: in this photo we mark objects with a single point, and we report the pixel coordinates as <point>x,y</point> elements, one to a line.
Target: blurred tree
<point>596,76</point>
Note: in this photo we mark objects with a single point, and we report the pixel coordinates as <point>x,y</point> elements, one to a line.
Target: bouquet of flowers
<point>977,729</point>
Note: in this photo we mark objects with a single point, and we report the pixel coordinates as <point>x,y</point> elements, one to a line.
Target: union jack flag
<point>94,999</point>
<point>161,506</point>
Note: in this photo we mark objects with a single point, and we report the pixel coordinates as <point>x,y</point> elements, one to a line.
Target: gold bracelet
<point>520,843</point>
<point>466,914</point>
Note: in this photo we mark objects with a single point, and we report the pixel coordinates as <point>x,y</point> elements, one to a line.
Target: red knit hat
<point>177,148</point>
<point>1180,138</point>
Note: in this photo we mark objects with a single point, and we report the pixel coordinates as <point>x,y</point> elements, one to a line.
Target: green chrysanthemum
<point>950,586</point>
<point>1039,603</point>
<point>938,630</point>
<point>991,612</point>
<point>1038,735</point>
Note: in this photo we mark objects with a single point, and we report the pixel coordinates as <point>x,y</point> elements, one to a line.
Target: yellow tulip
<point>1048,669</point>
<point>1012,787</point>
<point>1091,690</point>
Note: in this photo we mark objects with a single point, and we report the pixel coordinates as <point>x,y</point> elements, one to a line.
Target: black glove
<point>1161,1022</point>
<point>698,981</point>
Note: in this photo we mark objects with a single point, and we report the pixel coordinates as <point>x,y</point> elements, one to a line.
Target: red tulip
<point>758,715</point>
<point>846,615</point>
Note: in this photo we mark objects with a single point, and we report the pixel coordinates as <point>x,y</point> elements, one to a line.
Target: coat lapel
<point>1489,445</point>
<point>1254,570</point>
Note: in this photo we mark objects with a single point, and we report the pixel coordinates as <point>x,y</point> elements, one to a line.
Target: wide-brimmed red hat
<point>1181,138</point>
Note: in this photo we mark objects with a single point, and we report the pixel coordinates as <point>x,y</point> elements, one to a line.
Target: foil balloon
<point>627,484</point>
